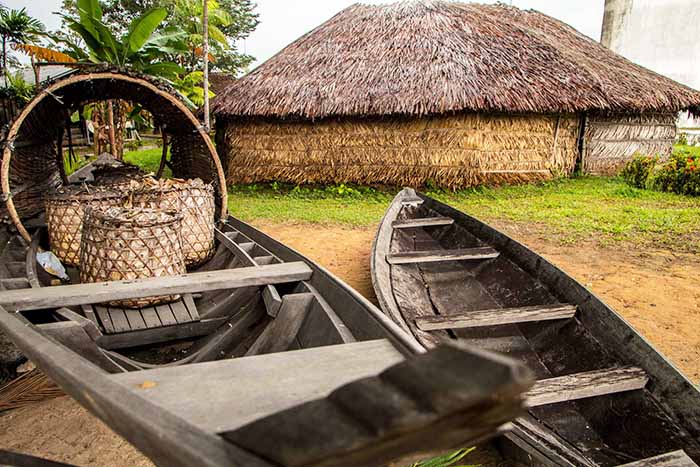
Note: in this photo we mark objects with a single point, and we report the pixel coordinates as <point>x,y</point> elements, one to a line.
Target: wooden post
<point>163,157</point>
<point>205,53</point>
<point>110,122</point>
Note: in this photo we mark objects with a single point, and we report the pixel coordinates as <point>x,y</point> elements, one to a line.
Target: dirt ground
<point>658,292</point>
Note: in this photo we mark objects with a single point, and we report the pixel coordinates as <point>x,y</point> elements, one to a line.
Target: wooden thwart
<point>586,384</point>
<point>82,294</point>
<point>422,222</point>
<point>497,316</point>
<point>670,459</point>
<point>431,256</point>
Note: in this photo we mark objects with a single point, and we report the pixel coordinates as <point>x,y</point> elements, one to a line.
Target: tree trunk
<point>4,58</point>
<point>205,56</point>
<point>110,122</point>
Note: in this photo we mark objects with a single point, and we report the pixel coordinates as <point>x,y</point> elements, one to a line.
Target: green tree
<point>17,27</point>
<point>234,19</point>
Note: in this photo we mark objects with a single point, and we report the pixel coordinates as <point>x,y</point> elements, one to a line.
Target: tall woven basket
<point>131,243</point>
<point>64,217</point>
<point>195,200</point>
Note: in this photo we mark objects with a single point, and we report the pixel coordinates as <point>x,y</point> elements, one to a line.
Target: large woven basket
<point>64,217</point>
<point>131,243</point>
<point>195,200</point>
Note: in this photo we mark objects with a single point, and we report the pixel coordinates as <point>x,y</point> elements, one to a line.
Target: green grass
<point>148,160</point>
<point>571,209</point>
<point>695,150</point>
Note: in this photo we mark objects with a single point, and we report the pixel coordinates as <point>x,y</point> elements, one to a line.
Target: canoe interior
<point>608,429</point>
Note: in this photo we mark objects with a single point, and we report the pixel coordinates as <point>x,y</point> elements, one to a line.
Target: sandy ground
<point>656,291</point>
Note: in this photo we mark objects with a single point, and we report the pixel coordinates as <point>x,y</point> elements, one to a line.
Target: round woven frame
<point>195,200</point>
<point>64,217</point>
<point>131,243</point>
<point>31,164</point>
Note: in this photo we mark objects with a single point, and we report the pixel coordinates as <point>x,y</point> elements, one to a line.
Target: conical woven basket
<point>131,243</point>
<point>64,217</point>
<point>195,200</point>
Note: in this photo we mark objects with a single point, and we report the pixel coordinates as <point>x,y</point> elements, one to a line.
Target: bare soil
<point>656,291</point>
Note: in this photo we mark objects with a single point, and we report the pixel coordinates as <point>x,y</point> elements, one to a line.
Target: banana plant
<point>140,48</point>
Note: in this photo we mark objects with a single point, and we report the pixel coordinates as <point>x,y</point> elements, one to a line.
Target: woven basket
<point>195,200</point>
<point>118,178</point>
<point>131,243</point>
<point>64,217</point>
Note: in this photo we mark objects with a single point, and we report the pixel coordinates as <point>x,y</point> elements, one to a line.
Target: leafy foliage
<point>17,88</point>
<point>17,27</point>
<point>448,460</point>
<point>680,175</point>
<point>636,172</point>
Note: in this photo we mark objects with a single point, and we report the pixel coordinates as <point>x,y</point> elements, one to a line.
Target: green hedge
<point>680,174</point>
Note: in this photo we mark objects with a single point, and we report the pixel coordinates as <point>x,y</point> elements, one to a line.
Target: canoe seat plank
<point>98,292</point>
<point>431,256</point>
<point>586,384</point>
<point>422,222</point>
<point>259,385</point>
<point>497,316</point>
<point>670,459</point>
<point>15,283</point>
<point>117,320</point>
<point>134,338</point>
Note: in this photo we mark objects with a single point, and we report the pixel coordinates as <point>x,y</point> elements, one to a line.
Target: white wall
<point>662,35</point>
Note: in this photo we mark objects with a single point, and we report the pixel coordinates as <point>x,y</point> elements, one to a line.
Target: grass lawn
<point>603,209</point>
<point>148,160</point>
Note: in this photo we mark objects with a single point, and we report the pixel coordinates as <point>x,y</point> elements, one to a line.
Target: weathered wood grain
<point>245,389</point>
<point>588,384</point>
<point>436,400</point>
<point>164,437</point>
<point>496,316</point>
<point>422,222</point>
<point>431,256</point>
<point>281,332</point>
<point>159,334</point>
<point>69,295</point>
<point>670,459</point>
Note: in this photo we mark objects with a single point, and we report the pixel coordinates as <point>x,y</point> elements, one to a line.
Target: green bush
<point>636,172</point>
<point>681,174</point>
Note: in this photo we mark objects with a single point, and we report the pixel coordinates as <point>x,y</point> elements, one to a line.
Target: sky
<point>283,21</point>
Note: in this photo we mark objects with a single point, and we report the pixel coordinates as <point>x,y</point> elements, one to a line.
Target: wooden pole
<point>205,53</point>
<point>110,122</point>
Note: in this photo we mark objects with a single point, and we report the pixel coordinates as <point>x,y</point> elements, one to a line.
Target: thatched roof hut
<point>450,92</point>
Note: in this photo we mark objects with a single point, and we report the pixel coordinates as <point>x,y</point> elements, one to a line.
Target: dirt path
<point>657,292</point>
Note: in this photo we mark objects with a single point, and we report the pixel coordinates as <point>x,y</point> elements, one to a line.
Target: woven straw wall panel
<point>612,139</point>
<point>451,151</point>
<point>64,218</point>
<point>131,243</point>
<point>195,200</point>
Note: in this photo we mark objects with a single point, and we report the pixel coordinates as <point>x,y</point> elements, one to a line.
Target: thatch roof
<point>431,57</point>
<point>220,81</point>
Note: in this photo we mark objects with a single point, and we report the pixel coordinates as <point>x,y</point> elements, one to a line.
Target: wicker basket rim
<point>181,186</point>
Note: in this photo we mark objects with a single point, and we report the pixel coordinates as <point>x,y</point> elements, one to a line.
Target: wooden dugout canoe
<point>267,360</point>
<point>445,276</point>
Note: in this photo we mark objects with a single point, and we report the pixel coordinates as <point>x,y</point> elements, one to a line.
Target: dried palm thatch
<point>451,151</point>
<point>612,139</point>
<point>31,164</point>
<point>194,199</point>
<point>131,243</point>
<point>432,57</point>
<point>64,217</point>
<point>27,389</point>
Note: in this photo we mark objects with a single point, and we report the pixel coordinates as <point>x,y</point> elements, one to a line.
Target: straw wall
<point>451,151</point>
<point>612,139</point>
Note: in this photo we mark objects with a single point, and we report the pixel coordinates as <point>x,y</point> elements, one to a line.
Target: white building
<point>661,35</point>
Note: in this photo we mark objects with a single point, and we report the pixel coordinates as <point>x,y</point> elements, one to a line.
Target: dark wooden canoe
<point>267,360</point>
<point>446,277</point>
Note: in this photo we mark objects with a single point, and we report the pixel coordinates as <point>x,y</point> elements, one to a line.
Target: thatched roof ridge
<point>432,57</point>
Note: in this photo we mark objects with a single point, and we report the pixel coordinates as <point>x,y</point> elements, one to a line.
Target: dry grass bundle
<point>195,200</point>
<point>612,139</point>
<point>131,243</point>
<point>64,217</point>
<point>434,57</point>
<point>451,151</point>
<point>27,389</point>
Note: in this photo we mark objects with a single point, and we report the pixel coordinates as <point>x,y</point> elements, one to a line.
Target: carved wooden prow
<point>445,398</point>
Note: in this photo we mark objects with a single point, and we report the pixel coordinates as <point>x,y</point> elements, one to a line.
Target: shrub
<point>681,174</point>
<point>636,172</point>
<point>682,138</point>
